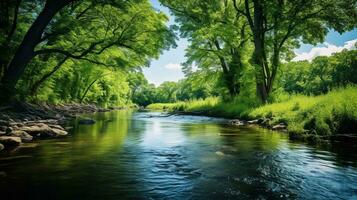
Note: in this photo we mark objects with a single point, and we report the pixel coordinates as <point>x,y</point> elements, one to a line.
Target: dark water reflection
<point>133,156</point>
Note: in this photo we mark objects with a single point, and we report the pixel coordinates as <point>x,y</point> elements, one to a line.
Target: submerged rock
<point>86,121</point>
<point>9,141</point>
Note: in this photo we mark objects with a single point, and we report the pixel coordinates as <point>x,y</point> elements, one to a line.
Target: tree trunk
<point>259,58</point>
<point>25,51</point>
<point>228,73</point>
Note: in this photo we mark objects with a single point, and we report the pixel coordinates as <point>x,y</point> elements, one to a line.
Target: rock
<point>279,127</point>
<point>237,122</point>
<point>43,130</point>
<point>56,126</point>
<point>68,128</point>
<point>2,147</point>
<point>9,141</point>
<point>58,116</point>
<point>86,121</point>
<point>255,121</point>
<point>2,133</point>
<point>59,132</point>
<point>48,121</point>
<point>23,135</point>
<point>13,123</point>
<point>8,130</point>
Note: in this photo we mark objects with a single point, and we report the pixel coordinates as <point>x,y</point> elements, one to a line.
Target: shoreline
<point>25,122</point>
<point>268,123</point>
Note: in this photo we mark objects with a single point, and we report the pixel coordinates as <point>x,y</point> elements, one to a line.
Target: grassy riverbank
<point>324,115</point>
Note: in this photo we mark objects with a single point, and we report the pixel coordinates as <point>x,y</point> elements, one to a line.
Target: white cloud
<point>174,66</point>
<point>326,50</point>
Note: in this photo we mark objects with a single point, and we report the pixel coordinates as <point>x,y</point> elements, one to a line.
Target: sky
<point>168,66</point>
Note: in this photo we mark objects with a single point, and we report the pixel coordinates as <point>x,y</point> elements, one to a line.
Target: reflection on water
<point>129,155</point>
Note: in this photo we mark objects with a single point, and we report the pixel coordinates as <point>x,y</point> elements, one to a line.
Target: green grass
<point>335,112</point>
<point>324,115</point>
<point>212,106</point>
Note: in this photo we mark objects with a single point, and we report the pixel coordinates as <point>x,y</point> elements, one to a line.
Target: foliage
<point>219,40</point>
<point>321,75</point>
<point>328,114</point>
<point>82,42</point>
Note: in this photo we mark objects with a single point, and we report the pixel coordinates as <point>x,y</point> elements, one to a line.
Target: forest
<point>178,99</point>
<point>240,53</point>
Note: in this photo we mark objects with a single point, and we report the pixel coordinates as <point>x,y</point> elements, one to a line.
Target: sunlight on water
<point>129,155</point>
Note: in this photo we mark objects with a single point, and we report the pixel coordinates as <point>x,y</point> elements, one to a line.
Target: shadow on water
<point>128,155</point>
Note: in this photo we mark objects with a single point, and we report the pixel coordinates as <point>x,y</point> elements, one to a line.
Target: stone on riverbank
<point>255,121</point>
<point>59,132</point>
<point>237,122</point>
<point>43,130</point>
<point>55,126</point>
<point>10,141</point>
<point>22,134</point>
<point>279,127</point>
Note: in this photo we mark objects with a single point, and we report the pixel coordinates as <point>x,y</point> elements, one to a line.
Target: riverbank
<point>23,122</point>
<point>329,116</point>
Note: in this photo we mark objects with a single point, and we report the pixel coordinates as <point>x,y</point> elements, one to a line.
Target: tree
<point>345,68</point>
<point>83,30</point>
<point>320,75</point>
<point>25,52</point>
<point>277,27</point>
<point>218,37</point>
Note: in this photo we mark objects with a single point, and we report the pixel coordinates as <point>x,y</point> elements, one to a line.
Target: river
<point>138,155</point>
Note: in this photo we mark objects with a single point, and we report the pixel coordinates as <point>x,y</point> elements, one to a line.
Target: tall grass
<point>213,106</point>
<point>335,112</point>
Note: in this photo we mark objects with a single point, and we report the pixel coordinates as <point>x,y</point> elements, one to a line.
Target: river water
<point>133,155</point>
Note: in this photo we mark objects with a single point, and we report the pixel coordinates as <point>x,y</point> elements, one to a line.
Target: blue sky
<point>167,67</point>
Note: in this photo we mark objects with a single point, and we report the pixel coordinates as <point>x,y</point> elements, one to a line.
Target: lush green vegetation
<point>327,114</point>
<point>239,59</point>
<point>317,97</point>
<point>77,51</point>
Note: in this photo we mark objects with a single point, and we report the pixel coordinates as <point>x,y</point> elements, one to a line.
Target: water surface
<point>131,155</point>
